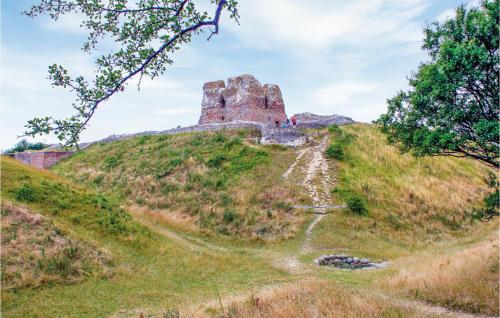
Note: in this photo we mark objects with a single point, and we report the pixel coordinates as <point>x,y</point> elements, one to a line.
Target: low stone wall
<point>270,134</point>
<point>41,159</point>
<point>283,136</point>
<point>188,129</point>
<point>323,123</point>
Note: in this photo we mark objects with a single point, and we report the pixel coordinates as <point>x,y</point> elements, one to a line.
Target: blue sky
<point>328,56</point>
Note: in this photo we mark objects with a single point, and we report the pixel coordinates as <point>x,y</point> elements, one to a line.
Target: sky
<point>343,57</point>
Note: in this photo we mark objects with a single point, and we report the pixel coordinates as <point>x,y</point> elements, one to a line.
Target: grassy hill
<point>147,268</point>
<point>205,181</point>
<point>155,219</point>
<point>407,202</point>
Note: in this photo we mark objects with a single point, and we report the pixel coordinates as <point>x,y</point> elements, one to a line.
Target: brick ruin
<point>41,159</point>
<point>243,99</point>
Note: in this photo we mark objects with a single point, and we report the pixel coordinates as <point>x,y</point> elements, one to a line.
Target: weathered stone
<point>274,99</point>
<point>213,104</point>
<point>309,120</point>
<point>244,91</point>
<point>244,99</point>
<point>41,159</point>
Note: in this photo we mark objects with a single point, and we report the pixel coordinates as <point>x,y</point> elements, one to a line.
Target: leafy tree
<point>452,107</point>
<point>24,145</point>
<point>146,32</point>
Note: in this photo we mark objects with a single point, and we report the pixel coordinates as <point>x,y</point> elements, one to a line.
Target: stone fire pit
<point>347,262</point>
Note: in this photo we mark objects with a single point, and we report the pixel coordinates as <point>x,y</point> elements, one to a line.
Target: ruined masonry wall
<point>42,159</point>
<point>244,99</point>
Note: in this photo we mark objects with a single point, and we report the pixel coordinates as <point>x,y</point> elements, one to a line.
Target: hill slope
<point>223,183</point>
<point>148,268</point>
<point>409,201</point>
<point>209,181</point>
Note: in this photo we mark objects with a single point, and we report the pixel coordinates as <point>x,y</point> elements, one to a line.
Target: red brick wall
<point>42,159</point>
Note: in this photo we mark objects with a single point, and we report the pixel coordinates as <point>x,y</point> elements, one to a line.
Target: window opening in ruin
<point>265,101</point>
<point>269,118</point>
<point>222,118</point>
<point>222,102</point>
<point>277,123</point>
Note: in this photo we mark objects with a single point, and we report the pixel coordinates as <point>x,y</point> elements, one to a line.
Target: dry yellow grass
<point>410,186</point>
<point>34,252</point>
<point>307,298</point>
<point>429,197</point>
<point>466,280</point>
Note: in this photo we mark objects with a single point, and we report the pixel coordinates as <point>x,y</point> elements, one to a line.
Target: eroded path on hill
<point>317,181</point>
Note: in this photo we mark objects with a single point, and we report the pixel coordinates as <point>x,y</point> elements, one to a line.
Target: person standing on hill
<point>294,121</point>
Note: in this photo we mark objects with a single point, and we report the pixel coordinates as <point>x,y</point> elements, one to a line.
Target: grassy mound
<point>149,268</point>
<point>395,201</point>
<point>214,181</point>
<point>34,252</point>
<point>73,207</point>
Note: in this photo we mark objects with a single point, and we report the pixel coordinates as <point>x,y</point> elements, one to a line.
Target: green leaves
<point>452,107</point>
<point>146,32</point>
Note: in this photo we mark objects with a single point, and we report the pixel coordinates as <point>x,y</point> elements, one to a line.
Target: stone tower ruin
<point>243,99</point>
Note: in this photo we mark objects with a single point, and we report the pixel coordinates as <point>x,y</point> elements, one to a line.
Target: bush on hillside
<point>25,193</point>
<point>229,216</point>
<point>335,151</point>
<point>356,204</point>
<point>24,145</point>
<point>334,129</point>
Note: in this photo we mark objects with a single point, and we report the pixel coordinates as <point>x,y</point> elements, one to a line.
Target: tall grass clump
<point>466,280</point>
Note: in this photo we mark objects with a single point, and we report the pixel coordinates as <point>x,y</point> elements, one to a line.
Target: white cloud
<point>179,111</point>
<point>450,13</point>
<point>340,93</point>
<point>66,23</point>
<point>323,24</point>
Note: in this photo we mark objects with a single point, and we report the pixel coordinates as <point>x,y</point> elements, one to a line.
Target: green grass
<point>191,201</point>
<point>216,181</point>
<point>150,270</point>
<point>397,203</point>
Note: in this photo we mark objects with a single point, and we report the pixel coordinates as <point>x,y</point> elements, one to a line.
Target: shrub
<point>229,216</point>
<point>219,138</point>
<point>98,180</point>
<point>334,129</point>
<point>335,151</point>
<point>24,145</point>
<point>491,203</point>
<point>25,193</point>
<point>216,161</point>
<point>356,204</point>
<point>235,141</point>
<point>115,221</point>
<point>112,162</point>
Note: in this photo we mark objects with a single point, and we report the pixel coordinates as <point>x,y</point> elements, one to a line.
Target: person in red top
<point>294,120</point>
